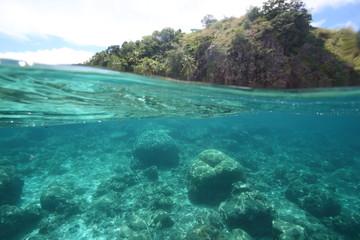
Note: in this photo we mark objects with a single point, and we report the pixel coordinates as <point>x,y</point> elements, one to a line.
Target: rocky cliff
<point>270,47</point>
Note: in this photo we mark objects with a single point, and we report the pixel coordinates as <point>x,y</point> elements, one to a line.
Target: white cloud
<point>318,5</point>
<point>345,25</point>
<point>318,23</point>
<point>108,22</point>
<point>52,56</point>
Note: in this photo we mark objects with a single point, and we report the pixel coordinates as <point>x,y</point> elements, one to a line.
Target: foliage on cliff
<point>345,43</point>
<point>270,47</point>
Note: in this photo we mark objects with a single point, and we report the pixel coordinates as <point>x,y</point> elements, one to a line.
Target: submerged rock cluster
<point>211,177</point>
<point>248,211</point>
<point>154,184</point>
<point>313,198</point>
<point>11,184</point>
<point>14,220</point>
<point>154,148</point>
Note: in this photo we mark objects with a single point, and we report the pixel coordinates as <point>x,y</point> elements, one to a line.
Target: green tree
<point>149,66</point>
<point>148,46</point>
<point>197,44</point>
<point>127,49</point>
<point>166,39</point>
<point>208,19</point>
<point>273,9</point>
<point>100,59</point>
<point>134,57</point>
<point>290,22</point>
<point>117,63</point>
<point>188,66</point>
<point>113,50</point>
<point>253,13</point>
<point>167,36</point>
<point>173,62</point>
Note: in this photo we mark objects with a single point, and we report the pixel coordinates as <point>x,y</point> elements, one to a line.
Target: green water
<point>95,154</point>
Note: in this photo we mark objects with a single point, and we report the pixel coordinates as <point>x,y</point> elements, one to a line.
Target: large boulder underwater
<point>155,148</point>
<point>59,199</point>
<point>14,221</point>
<point>313,198</point>
<point>250,212</point>
<point>215,179</point>
<point>11,184</point>
<point>211,177</point>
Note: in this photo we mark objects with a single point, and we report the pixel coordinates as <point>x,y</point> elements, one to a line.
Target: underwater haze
<point>94,154</point>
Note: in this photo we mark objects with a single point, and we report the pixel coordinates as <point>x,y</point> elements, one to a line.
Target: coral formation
<point>11,184</point>
<point>155,148</point>
<point>60,199</point>
<point>14,220</point>
<point>205,232</point>
<point>284,195</point>
<point>250,212</point>
<point>313,198</point>
<point>211,177</point>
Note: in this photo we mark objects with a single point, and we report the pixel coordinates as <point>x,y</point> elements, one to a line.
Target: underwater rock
<point>346,224</point>
<point>162,203</point>
<point>155,148</point>
<point>59,199</point>
<point>126,232</point>
<point>135,222</point>
<point>241,187</point>
<point>239,234</point>
<point>32,213</point>
<point>162,189</point>
<point>287,175</point>
<point>285,230</point>
<point>250,212</point>
<point>119,183</point>
<point>14,220</point>
<point>326,235</point>
<point>211,177</point>
<point>49,225</point>
<point>108,205</point>
<point>11,219</point>
<point>313,198</point>
<point>162,220</point>
<point>204,232</point>
<point>53,197</point>
<point>72,207</point>
<point>11,184</point>
<point>151,173</point>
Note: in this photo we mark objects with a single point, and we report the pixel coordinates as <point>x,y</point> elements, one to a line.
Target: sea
<point>88,153</point>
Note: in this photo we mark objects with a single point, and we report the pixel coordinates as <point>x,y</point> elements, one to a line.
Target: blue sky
<point>71,31</point>
<point>338,17</point>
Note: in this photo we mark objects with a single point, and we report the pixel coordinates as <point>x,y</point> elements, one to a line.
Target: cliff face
<point>272,47</point>
<point>261,62</point>
<point>261,54</point>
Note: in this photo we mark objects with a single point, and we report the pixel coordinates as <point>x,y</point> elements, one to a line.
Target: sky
<point>71,31</point>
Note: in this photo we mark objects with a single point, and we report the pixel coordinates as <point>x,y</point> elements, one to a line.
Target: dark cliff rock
<point>270,47</point>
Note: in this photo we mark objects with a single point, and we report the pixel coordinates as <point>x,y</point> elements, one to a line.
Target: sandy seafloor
<point>112,201</point>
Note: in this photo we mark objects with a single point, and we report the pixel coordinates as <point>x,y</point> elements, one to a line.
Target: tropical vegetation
<point>270,47</point>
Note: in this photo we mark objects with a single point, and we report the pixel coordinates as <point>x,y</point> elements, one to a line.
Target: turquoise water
<point>95,154</point>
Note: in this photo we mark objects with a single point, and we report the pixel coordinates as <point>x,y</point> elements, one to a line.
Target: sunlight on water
<point>95,154</point>
<point>34,95</point>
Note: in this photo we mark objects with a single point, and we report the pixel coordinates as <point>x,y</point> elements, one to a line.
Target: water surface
<point>73,132</point>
